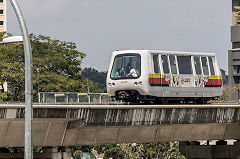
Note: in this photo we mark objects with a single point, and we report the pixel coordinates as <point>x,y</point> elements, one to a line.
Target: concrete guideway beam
<point>70,125</point>
<point>56,132</point>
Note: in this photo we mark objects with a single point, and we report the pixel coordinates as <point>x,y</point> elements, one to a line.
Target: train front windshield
<point>126,66</point>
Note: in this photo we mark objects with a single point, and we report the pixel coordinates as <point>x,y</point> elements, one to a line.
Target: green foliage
<point>225,94</point>
<point>56,68</point>
<point>110,151</point>
<point>95,75</point>
<point>152,150</point>
<point>3,96</point>
<point>236,88</point>
<point>138,151</point>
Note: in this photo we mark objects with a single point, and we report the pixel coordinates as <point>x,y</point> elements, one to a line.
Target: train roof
<point>162,51</point>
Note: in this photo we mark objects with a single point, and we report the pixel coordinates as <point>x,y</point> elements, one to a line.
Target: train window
<point>211,65</point>
<point>205,66</point>
<point>184,64</point>
<point>126,66</point>
<point>173,64</point>
<point>197,65</point>
<point>165,64</point>
<point>156,63</point>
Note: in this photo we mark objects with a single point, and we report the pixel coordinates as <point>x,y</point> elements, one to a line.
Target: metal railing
<point>73,97</point>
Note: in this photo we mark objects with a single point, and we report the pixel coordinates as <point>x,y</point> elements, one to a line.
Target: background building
<point>3,17</point>
<point>234,53</point>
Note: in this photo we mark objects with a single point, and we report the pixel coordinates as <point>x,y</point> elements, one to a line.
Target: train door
<point>159,75</point>
<point>185,71</point>
<point>205,72</point>
<point>170,70</point>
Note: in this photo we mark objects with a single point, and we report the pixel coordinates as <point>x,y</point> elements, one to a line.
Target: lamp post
<point>28,150</point>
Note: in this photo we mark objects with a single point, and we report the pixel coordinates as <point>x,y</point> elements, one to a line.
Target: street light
<point>28,150</point>
<point>12,40</point>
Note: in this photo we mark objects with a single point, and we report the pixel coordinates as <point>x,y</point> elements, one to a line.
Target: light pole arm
<point>28,153</point>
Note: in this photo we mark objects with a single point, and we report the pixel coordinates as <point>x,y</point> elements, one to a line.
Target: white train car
<point>161,76</point>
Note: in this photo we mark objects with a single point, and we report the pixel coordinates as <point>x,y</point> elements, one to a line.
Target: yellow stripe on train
<point>155,75</point>
<point>161,76</point>
<point>215,77</point>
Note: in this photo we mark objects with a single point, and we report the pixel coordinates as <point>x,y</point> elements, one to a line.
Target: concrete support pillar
<point>55,153</point>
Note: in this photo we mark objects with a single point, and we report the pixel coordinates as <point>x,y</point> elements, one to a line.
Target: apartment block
<point>3,18</point>
<point>234,53</point>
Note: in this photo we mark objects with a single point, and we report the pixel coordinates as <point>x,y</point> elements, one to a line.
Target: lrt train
<point>151,76</point>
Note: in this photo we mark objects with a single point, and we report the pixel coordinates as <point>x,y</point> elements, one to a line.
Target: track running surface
<point>116,105</point>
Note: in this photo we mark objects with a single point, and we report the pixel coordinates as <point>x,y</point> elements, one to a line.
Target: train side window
<point>173,64</point>
<point>211,65</point>
<point>205,66</point>
<point>156,63</point>
<point>165,63</point>
<point>184,64</point>
<point>197,65</point>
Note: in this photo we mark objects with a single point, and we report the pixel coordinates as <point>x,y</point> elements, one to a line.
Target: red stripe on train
<point>214,82</point>
<point>153,81</point>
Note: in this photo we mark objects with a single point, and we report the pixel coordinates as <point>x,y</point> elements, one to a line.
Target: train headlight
<point>109,84</point>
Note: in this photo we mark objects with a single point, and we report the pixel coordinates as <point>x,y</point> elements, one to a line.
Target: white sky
<point>99,27</point>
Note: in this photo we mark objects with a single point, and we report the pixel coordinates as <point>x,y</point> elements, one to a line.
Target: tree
<point>148,150</point>
<point>226,92</point>
<point>56,68</point>
<point>236,88</point>
<point>110,151</point>
<point>95,75</point>
<point>152,150</point>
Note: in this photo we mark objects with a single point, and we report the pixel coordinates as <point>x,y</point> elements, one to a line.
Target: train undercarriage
<point>134,97</point>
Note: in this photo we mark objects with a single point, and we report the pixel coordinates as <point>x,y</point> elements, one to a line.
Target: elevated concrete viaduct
<point>71,125</point>
<point>68,125</point>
